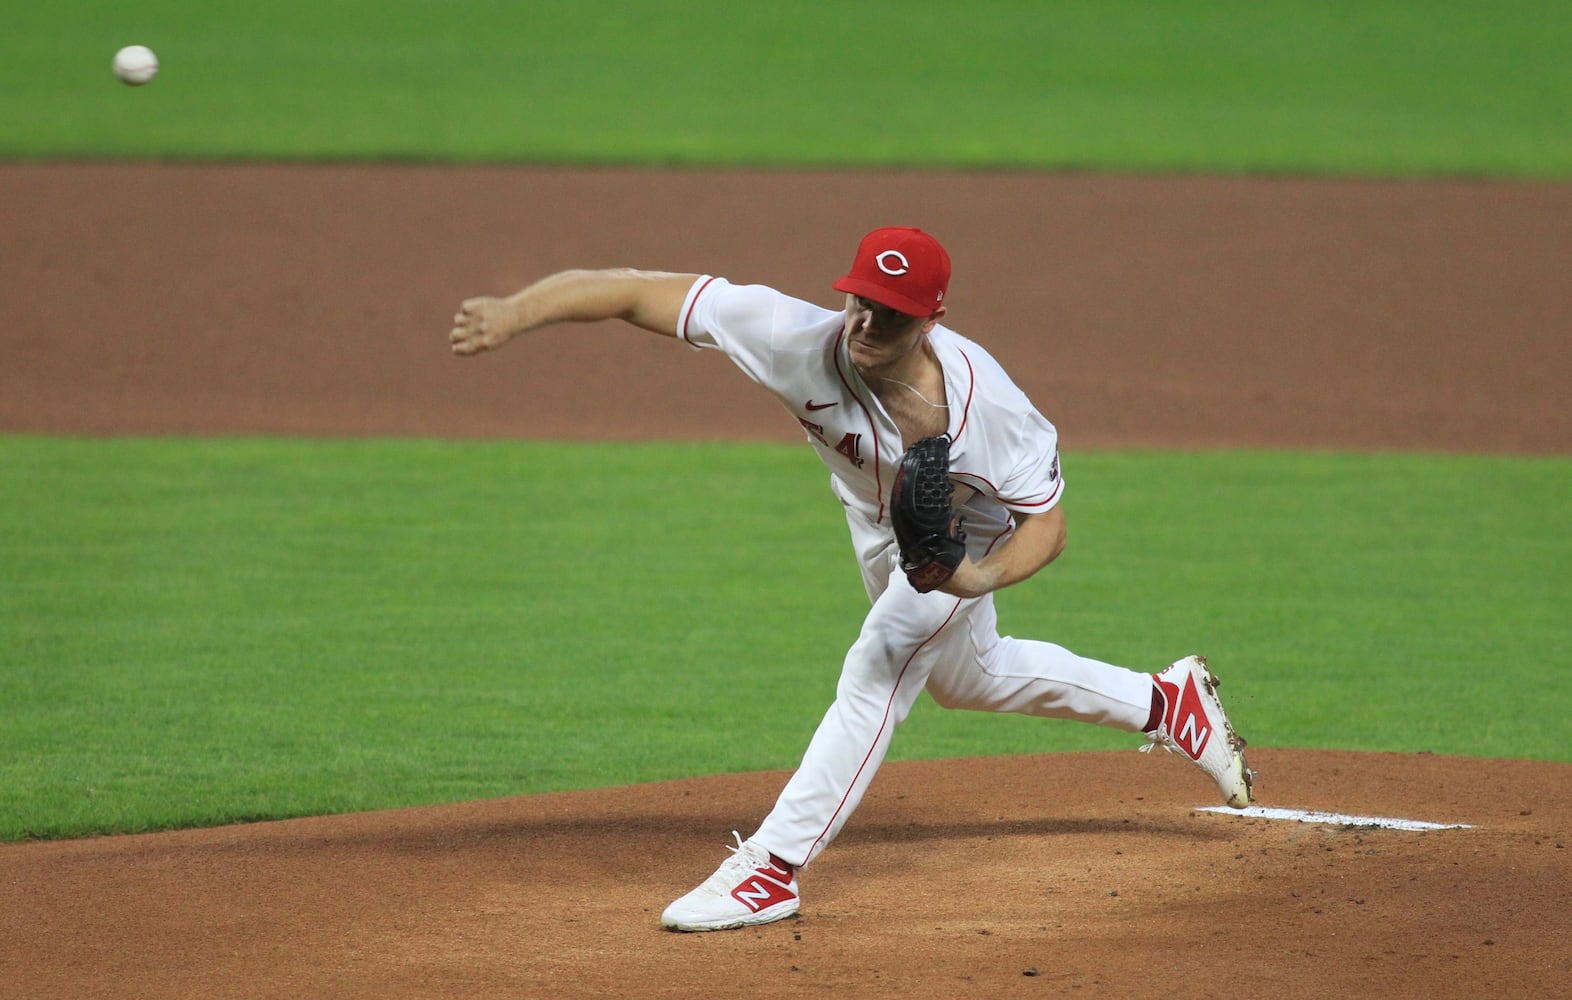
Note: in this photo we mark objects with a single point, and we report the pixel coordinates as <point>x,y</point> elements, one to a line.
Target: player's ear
<point>933,319</point>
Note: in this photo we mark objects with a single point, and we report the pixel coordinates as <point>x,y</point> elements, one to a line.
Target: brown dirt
<point>1162,312</point>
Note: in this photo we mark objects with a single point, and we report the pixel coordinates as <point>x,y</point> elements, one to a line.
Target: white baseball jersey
<point>1001,445</point>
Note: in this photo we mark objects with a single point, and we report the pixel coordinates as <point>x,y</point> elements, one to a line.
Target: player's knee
<point>944,697</point>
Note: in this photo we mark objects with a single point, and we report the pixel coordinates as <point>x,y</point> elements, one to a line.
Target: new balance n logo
<point>764,888</point>
<point>1189,729</point>
<point>1184,717</point>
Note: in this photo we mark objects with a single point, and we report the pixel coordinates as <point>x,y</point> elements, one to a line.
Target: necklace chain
<point>914,392</point>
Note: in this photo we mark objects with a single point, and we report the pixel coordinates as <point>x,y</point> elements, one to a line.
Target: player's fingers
<point>469,334</point>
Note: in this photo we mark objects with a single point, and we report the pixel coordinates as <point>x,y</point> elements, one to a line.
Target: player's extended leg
<point>884,672</point>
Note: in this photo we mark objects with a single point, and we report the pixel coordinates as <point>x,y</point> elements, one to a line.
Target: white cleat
<point>1195,725</point>
<point>750,887</point>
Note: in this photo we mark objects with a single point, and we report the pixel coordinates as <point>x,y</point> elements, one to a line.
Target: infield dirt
<point>1173,313</point>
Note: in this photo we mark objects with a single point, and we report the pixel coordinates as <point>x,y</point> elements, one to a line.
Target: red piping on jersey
<point>878,478</point>
<point>882,726</point>
<point>971,389</point>
<point>682,322</point>
<point>993,491</point>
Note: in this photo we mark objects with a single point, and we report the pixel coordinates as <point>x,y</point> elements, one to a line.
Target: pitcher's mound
<point>1087,874</point>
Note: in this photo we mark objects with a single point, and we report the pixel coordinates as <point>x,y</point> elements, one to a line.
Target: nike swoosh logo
<point>817,406</point>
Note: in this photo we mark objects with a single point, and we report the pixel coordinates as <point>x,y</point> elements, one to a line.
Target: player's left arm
<point>1037,541</point>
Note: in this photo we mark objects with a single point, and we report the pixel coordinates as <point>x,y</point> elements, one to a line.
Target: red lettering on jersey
<point>817,430</point>
<point>849,447</point>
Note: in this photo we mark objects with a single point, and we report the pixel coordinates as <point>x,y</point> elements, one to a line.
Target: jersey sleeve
<point>692,326</point>
<point>754,325</point>
<point>734,319</point>
<point>1033,483</point>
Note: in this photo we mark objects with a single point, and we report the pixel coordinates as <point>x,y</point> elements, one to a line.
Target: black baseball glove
<point>927,528</point>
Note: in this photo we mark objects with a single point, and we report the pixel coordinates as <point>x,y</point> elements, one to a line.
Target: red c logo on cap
<point>894,272</point>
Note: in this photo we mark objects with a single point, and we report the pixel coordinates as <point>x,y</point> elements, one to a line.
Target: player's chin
<point>864,355</point>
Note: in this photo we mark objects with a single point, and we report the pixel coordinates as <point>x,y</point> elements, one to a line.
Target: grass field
<point>197,632</point>
<point>1386,87</point>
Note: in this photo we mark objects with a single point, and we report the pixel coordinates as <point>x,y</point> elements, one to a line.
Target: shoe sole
<point>767,916</point>
<point>1239,773</point>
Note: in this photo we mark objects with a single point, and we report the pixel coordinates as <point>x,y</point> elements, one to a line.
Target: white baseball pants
<point>950,647</point>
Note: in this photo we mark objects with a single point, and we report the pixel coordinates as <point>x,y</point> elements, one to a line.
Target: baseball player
<point>951,484</point>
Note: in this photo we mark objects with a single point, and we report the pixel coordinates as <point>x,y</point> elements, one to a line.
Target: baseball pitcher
<point>951,484</point>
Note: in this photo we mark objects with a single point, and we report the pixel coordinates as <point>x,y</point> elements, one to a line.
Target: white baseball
<point>135,65</point>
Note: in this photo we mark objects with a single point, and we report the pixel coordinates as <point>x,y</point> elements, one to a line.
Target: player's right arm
<point>648,299</point>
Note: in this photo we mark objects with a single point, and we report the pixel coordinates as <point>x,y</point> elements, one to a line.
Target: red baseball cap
<point>899,267</point>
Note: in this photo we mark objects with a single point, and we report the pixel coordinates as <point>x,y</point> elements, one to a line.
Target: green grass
<point>197,632</point>
<point>1380,87</point>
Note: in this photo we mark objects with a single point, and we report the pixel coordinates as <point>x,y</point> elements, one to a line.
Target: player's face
<point>879,336</point>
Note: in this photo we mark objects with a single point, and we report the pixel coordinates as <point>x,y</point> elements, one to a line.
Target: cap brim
<point>882,295</point>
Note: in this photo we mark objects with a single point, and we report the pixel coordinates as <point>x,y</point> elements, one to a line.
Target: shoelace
<point>1159,738</point>
<point>739,862</point>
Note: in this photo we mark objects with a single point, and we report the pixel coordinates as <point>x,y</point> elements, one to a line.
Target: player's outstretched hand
<point>481,324</point>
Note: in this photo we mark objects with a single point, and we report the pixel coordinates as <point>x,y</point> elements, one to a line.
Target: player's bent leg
<point>1178,709</point>
<point>1029,677</point>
